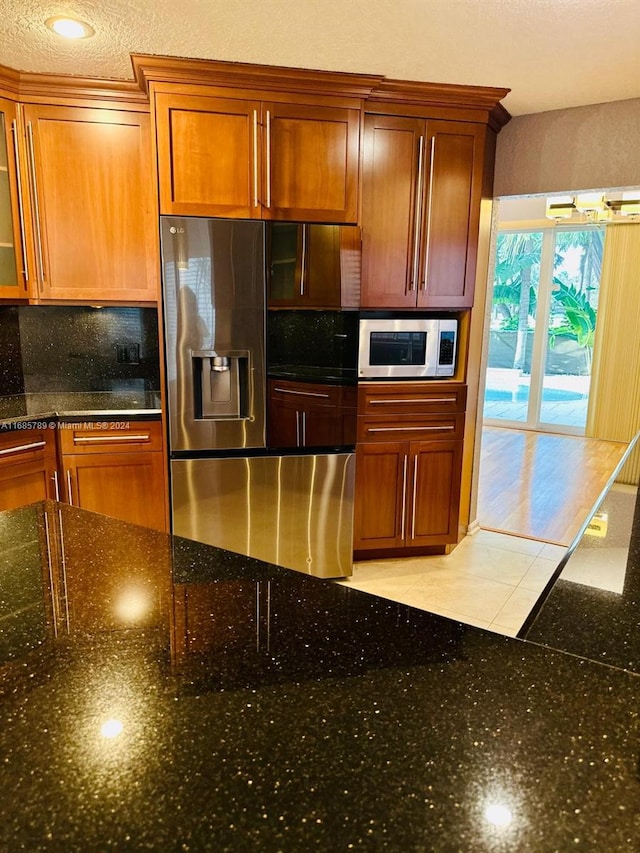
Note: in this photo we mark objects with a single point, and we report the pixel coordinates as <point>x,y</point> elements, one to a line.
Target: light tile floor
<point>491,580</point>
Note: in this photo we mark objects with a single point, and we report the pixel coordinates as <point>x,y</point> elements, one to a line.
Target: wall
<point>593,147</point>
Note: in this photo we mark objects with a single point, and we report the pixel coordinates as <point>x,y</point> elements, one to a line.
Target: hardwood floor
<point>541,485</point>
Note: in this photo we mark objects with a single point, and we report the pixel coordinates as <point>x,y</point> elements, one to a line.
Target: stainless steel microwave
<point>416,348</point>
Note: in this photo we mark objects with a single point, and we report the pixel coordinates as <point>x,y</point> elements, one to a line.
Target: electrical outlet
<point>128,353</point>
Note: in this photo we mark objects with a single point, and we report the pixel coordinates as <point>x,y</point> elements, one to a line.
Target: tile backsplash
<point>50,351</point>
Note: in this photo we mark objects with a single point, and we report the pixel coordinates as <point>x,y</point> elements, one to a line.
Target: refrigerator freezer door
<point>294,511</point>
<point>214,314</point>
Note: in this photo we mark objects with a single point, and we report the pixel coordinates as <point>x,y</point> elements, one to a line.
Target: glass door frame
<point>540,334</point>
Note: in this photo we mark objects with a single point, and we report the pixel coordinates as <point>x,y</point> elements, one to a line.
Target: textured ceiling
<point>551,53</point>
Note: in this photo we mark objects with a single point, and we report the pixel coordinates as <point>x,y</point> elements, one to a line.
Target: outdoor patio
<point>564,398</point>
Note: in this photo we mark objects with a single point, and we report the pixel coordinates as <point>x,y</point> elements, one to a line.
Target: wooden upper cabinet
<point>252,159</point>
<point>207,156</point>
<point>310,162</point>
<point>422,184</point>
<point>451,214</point>
<point>93,207</point>
<point>389,204</point>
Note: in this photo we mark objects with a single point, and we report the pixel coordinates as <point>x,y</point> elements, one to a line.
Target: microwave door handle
<point>415,271</point>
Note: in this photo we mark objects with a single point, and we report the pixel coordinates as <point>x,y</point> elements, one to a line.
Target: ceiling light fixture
<point>594,208</point>
<point>70,28</point>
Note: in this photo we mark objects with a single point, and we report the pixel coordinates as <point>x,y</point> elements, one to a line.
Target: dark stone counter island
<point>158,694</point>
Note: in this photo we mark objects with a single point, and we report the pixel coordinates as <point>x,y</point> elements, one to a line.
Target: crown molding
<point>169,69</point>
<point>480,102</point>
<point>50,88</point>
<point>483,99</point>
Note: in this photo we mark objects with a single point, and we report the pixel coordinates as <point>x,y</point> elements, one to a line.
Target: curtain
<point>614,397</point>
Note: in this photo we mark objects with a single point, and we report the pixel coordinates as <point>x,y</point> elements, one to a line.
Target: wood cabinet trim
<point>403,95</point>
<point>31,87</point>
<point>241,75</point>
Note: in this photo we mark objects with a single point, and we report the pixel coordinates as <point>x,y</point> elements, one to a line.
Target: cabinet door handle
<point>302,393</point>
<point>23,242</point>
<point>36,203</point>
<point>304,429</point>
<point>297,428</point>
<point>427,242</point>
<point>303,267</point>
<point>56,485</point>
<point>415,271</point>
<point>255,158</point>
<point>20,448</point>
<point>438,428</point>
<point>268,149</point>
<point>415,400</point>
<point>415,490</point>
<point>404,494</point>
<point>69,489</point>
<point>99,439</point>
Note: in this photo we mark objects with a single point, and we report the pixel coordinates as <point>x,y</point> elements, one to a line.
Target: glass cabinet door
<point>12,281</point>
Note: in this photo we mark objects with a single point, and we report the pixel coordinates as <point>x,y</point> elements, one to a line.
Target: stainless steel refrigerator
<point>227,488</point>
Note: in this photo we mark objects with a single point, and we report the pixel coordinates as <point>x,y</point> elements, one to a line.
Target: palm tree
<point>515,285</point>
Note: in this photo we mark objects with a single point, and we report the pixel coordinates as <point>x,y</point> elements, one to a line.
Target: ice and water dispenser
<point>221,384</point>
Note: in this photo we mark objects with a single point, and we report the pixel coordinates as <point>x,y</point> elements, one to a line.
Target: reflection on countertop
<point>591,607</point>
<point>158,693</point>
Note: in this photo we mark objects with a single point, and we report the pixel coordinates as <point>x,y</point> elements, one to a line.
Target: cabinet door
<point>128,486</point>
<point>390,201</point>
<point>305,264</point>
<point>321,426</point>
<point>27,468</point>
<point>283,423</point>
<point>93,204</point>
<point>380,508</point>
<point>311,162</point>
<point>451,214</point>
<point>208,160</point>
<point>14,274</point>
<point>434,486</point>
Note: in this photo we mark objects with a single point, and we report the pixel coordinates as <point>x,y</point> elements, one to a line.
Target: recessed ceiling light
<point>70,28</point>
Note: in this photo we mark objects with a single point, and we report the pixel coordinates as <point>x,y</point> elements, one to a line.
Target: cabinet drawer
<point>305,392</point>
<point>100,436</point>
<point>410,398</point>
<point>424,428</point>
<point>25,445</point>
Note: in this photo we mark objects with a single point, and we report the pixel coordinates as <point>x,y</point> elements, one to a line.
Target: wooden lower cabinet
<point>27,467</point>
<point>408,466</point>
<point>407,494</point>
<point>116,472</point>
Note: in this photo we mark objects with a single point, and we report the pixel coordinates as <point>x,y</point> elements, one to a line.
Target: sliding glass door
<point>543,317</point>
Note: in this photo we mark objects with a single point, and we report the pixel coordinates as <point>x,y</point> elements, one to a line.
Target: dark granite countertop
<point>159,694</point>
<point>41,407</point>
<point>307,373</point>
